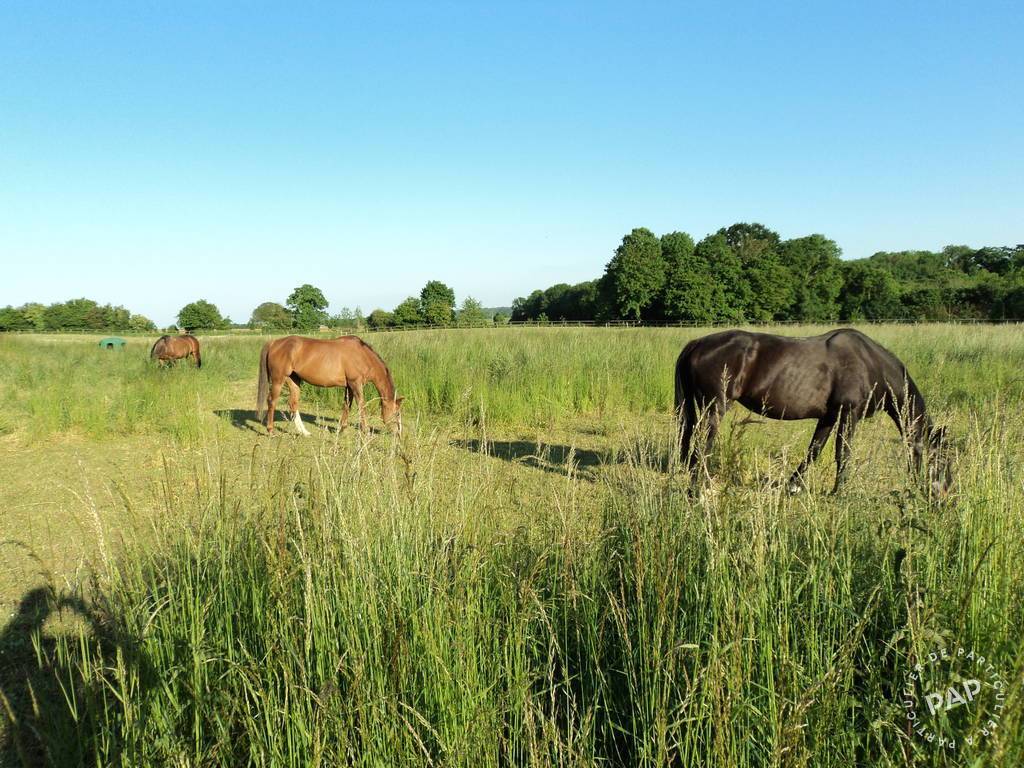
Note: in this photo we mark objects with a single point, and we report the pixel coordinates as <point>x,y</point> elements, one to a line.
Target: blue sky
<point>153,154</point>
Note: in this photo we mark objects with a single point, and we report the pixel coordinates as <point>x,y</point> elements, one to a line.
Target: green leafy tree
<point>635,276</point>
<point>308,307</point>
<point>357,318</point>
<point>691,293</point>
<point>379,318</point>
<point>344,319</point>
<point>141,323</point>
<point>471,314</point>
<point>200,315</point>
<point>437,303</point>
<point>502,318</point>
<point>813,262</point>
<point>529,307</point>
<point>726,269</point>
<point>34,313</point>
<point>770,283</point>
<point>408,312</point>
<point>271,316</point>
<point>12,319</point>
<point>869,293</point>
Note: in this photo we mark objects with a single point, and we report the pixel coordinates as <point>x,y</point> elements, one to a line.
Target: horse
<point>838,378</point>
<point>346,361</point>
<point>170,349</point>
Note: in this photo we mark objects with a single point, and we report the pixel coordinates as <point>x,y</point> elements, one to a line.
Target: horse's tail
<point>195,351</point>
<point>685,410</point>
<point>682,369</point>
<point>263,387</point>
<point>157,343</point>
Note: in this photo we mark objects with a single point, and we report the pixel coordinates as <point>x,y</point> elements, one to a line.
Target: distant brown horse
<point>837,378</point>
<point>170,349</point>
<point>347,361</point>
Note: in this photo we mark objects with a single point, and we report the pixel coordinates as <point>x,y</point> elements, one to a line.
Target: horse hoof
<point>795,488</point>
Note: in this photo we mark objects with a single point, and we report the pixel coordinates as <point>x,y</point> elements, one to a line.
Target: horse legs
<point>276,383</point>
<point>293,406</point>
<point>818,440</point>
<point>712,412</point>
<point>844,439</point>
<point>346,406</point>
<point>361,402</point>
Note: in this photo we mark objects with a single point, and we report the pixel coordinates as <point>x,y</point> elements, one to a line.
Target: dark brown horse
<point>837,378</point>
<point>347,361</point>
<point>170,349</point>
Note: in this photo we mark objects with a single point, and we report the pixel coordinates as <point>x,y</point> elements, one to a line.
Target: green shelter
<point>111,342</point>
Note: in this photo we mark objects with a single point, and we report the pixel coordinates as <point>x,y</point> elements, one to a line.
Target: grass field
<point>521,579</point>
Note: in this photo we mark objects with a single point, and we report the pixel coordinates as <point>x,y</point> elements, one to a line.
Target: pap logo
<point>953,698</point>
<point>963,695</point>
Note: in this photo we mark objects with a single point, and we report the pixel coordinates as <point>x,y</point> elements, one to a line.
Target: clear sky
<point>156,153</point>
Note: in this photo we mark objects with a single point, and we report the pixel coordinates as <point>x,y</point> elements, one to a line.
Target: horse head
<point>391,412</point>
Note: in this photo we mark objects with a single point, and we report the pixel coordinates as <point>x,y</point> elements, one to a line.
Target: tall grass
<point>510,376</point>
<point>374,603</point>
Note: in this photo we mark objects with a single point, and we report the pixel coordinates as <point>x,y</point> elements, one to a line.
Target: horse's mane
<point>387,371</point>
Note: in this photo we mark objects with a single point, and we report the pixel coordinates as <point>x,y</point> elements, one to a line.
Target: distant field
<point>520,580</point>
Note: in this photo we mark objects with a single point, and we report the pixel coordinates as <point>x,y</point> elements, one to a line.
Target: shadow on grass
<point>559,459</point>
<point>37,682</point>
<point>247,420</point>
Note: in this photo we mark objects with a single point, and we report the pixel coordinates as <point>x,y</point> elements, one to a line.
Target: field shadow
<point>37,726</point>
<point>247,420</point>
<point>559,459</point>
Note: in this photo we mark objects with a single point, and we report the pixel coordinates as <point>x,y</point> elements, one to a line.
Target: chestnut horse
<point>837,378</point>
<point>170,349</point>
<point>347,361</point>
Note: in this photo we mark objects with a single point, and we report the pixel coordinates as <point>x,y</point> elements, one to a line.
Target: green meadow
<point>520,579</point>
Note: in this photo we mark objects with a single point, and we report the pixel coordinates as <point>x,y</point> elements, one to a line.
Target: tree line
<point>742,273</point>
<point>306,309</point>
<point>72,315</point>
<point>748,273</point>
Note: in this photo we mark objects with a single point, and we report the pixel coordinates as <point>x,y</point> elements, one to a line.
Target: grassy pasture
<point>520,580</point>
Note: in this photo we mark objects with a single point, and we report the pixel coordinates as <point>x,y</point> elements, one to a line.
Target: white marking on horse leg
<point>298,424</point>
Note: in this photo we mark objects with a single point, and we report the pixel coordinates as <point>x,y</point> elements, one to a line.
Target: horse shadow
<point>557,459</point>
<point>247,420</point>
<point>37,726</point>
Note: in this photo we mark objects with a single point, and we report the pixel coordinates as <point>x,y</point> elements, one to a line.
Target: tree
<point>407,313</point>
<point>12,319</point>
<point>726,269</point>
<point>770,283</point>
<point>635,275</point>
<point>437,303</point>
<point>34,312</point>
<point>344,319</point>
<point>379,318</point>
<point>691,293</point>
<point>743,238</point>
<point>308,307</point>
<point>271,316</point>
<point>141,323</point>
<point>200,314</point>
<point>528,308</point>
<point>502,318</point>
<point>471,314</point>
<point>813,262</point>
<point>869,293</point>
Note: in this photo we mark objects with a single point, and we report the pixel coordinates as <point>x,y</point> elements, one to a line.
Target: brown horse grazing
<point>170,349</point>
<point>347,361</point>
<point>837,378</point>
